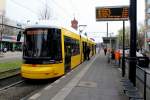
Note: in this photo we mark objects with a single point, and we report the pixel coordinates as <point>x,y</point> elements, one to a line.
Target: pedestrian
<point>88,53</point>
<point>5,50</point>
<point>84,53</point>
<point>112,56</point>
<point>105,51</point>
<point>108,55</point>
<point>117,57</point>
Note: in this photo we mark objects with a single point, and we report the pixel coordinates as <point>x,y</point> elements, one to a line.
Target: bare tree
<point>140,36</point>
<point>45,12</point>
<point>6,30</point>
<point>3,21</point>
<point>127,37</point>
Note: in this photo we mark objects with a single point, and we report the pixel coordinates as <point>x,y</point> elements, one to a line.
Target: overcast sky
<point>63,11</point>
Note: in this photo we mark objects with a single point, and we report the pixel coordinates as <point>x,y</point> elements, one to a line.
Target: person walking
<point>112,56</point>
<point>108,55</point>
<point>105,51</point>
<point>117,57</point>
<point>88,53</point>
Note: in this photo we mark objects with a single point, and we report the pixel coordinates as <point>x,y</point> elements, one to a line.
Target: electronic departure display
<point>37,31</point>
<point>112,13</point>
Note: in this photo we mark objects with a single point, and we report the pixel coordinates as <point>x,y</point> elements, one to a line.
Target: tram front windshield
<point>42,44</point>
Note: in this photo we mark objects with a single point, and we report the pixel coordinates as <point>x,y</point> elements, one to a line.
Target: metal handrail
<point>145,79</point>
<point>145,75</point>
<point>143,69</point>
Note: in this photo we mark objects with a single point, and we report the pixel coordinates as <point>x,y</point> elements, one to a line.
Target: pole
<point>133,31</point>
<point>123,53</point>
<point>80,46</point>
<point>107,29</point>
<point>80,31</point>
<point>107,33</point>
<point>110,41</point>
<point>145,81</point>
<point>145,42</point>
<point>1,35</point>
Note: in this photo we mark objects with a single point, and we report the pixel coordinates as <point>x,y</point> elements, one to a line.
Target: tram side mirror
<point>19,36</point>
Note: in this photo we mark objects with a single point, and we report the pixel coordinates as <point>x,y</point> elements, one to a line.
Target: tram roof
<point>52,26</point>
<point>42,26</point>
<point>59,27</point>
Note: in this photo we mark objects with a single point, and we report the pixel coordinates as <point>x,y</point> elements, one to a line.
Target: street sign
<point>116,13</point>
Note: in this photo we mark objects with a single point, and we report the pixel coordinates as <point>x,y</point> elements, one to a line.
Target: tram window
<point>76,47</point>
<point>74,44</point>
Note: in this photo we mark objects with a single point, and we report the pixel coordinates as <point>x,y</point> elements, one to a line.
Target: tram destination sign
<point>112,13</point>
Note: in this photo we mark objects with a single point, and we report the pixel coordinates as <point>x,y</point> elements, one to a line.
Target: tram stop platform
<point>92,80</point>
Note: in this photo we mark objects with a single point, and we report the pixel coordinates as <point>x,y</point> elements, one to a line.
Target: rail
<point>143,75</point>
<point>9,73</point>
<point>144,80</point>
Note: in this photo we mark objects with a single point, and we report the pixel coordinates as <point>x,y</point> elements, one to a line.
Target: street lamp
<point>80,31</point>
<point>110,40</point>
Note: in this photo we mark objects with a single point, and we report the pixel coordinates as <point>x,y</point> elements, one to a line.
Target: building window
<point>148,10</point>
<point>148,1</point>
<point>148,22</point>
<point>148,34</point>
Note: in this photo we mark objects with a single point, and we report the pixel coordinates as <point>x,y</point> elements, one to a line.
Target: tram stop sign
<point>116,13</point>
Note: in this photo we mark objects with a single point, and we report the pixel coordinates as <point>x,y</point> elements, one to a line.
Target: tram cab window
<point>42,44</point>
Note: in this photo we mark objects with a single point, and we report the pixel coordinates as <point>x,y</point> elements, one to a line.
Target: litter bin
<point>143,62</point>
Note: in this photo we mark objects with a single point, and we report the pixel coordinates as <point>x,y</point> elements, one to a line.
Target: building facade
<point>2,7</point>
<point>147,24</point>
<point>8,37</point>
<point>8,31</point>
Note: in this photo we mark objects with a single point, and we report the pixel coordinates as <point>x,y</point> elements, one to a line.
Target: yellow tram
<point>50,51</point>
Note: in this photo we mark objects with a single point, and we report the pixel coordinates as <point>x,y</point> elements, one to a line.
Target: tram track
<point>21,88</point>
<point>7,82</point>
<point>14,87</point>
<point>9,73</point>
<point>11,85</point>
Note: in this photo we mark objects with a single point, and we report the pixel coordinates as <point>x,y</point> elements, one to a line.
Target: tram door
<point>67,54</point>
<point>84,44</point>
<point>67,58</point>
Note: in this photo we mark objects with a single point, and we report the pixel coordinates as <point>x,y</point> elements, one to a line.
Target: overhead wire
<point>36,13</point>
<point>57,5</point>
<point>64,10</point>
<point>20,5</point>
<point>72,5</point>
<point>45,4</point>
